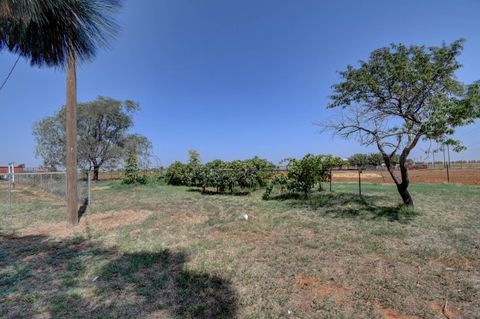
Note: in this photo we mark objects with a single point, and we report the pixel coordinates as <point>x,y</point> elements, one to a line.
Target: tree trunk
<point>403,186</point>
<point>404,193</point>
<point>96,169</point>
<point>71,141</point>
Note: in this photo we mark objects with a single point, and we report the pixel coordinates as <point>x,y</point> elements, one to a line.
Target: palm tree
<point>59,33</point>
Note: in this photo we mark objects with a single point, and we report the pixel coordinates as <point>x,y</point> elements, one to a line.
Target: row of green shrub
<point>304,174</point>
<point>221,176</point>
<point>301,176</point>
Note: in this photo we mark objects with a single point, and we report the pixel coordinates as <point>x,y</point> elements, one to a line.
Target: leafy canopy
<point>103,140</point>
<point>403,94</point>
<point>303,174</point>
<point>220,175</point>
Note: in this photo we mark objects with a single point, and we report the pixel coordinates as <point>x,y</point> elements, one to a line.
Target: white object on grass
<point>245,217</point>
<point>95,279</point>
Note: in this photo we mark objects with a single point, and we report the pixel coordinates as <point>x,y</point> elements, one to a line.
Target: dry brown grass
<point>165,252</point>
<point>100,222</point>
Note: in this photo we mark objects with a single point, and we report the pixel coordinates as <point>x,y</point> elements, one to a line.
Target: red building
<point>4,169</point>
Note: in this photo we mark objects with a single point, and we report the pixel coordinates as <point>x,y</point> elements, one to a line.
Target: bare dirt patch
<point>311,289</point>
<point>443,310</point>
<point>106,221</point>
<point>461,176</point>
<point>388,313</point>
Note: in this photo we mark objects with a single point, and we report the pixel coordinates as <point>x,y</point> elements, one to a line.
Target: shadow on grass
<point>76,279</point>
<point>211,192</point>
<point>349,205</point>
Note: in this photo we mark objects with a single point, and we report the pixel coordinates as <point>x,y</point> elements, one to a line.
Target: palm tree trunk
<point>71,132</point>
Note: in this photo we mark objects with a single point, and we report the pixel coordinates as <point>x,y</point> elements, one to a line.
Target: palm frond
<point>46,32</point>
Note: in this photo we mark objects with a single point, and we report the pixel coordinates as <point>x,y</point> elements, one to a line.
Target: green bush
<point>268,191</point>
<point>131,172</point>
<point>143,179</point>
<point>222,176</point>
<point>304,174</point>
<point>178,174</point>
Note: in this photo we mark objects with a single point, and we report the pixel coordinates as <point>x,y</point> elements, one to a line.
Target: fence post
<point>9,189</point>
<point>359,182</point>
<point>448,175</point>
<point>330,180</point>
<point>88,185</point>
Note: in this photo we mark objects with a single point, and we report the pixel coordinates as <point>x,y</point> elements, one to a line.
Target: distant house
<point>17,169</point>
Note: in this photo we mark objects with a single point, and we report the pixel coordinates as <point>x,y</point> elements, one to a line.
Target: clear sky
<point>237,78</point>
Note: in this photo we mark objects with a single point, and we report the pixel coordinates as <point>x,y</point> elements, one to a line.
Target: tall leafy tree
<point>59,33</point>
<point>400,95</point>
<point>102,136</point>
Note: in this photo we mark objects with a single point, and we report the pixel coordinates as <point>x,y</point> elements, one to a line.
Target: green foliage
<point>413,84</point>
<point>193,157</point>
<point>47,31</point>
<point>268,191</point>
<point>403,94</point>
<point>178,174</point>
<point>304,174</point>
<point>372,159</point>
<point>103,138</point>
<point>131,173</point>
<point>358,159</point>
<point>219,175</point>
<point>375,159</point>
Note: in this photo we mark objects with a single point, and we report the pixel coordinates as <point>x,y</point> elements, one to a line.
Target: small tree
<point>401,95</point>
<point>132,173</point>
<point>178,174</point>
<point>303,174</point>
<point>193,157</point>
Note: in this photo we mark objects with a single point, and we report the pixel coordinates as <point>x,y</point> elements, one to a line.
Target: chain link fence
<point>46,184</point>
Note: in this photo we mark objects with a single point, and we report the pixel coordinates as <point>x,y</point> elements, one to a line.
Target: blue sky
<point>237,78</point>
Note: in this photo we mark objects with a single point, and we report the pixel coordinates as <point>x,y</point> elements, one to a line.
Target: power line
<point>9,73</point>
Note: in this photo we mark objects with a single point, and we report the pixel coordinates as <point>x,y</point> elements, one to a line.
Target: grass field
<point>172,252</point>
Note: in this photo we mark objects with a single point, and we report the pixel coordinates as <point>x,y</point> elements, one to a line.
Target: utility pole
<point>71,139</point>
